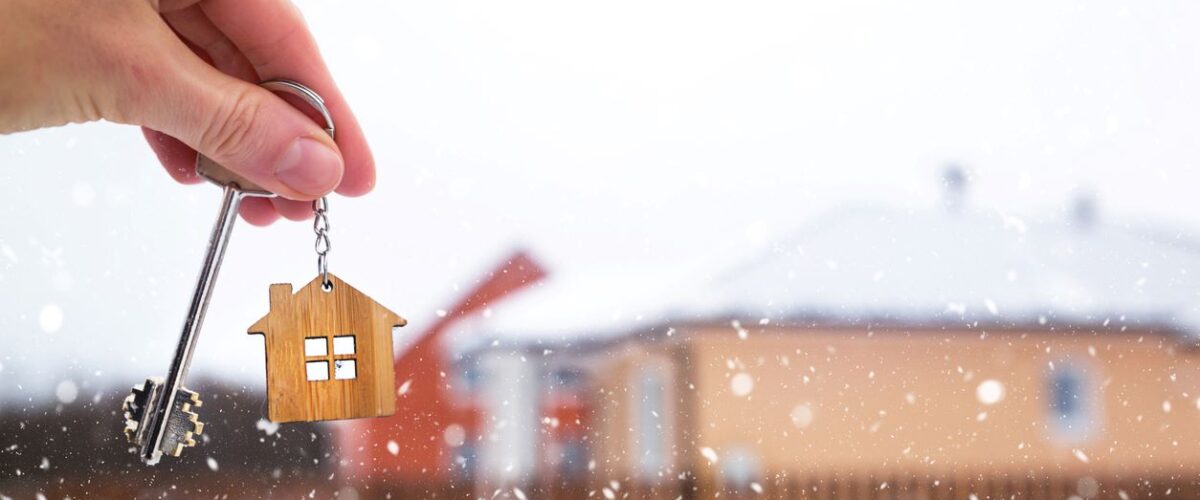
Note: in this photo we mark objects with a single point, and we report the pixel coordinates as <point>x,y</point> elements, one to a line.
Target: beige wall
<point>906,400</point>
<point>616,440</point>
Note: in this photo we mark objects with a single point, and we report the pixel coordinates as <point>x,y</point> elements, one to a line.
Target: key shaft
<point>217,242</point>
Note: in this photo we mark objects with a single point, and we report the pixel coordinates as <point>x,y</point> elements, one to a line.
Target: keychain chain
<point>321,228</point>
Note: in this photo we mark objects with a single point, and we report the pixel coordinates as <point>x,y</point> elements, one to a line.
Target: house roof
<point>568,306</point>
<point>881,265</point>
<point>260,326</point>
<point>937,266</point>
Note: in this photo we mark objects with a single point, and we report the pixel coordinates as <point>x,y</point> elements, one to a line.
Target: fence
<point>821,487</point>
<point>776,487</point>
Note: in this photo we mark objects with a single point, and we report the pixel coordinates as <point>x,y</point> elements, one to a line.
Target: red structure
<point>424,406</point>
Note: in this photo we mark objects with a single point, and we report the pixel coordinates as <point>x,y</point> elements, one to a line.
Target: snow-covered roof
<point>575,305</point>
<point>939,266</point>
<point>934,266</point>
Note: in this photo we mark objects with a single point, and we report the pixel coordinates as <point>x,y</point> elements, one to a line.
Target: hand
<point>187,71</point>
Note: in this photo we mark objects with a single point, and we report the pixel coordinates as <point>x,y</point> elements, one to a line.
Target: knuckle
<point>230,128</point>
<point>295,34</point>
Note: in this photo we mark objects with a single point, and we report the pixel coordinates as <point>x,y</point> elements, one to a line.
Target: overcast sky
<point>651,138</point>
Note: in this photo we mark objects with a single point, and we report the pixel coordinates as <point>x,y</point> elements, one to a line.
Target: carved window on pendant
<point>319,358</point>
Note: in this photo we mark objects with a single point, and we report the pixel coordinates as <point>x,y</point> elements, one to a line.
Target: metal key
<point>159,414</point>
<point>184,424</point>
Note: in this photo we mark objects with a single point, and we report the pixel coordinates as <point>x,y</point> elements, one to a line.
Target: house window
<point>649,436</point>
<point>1064,395</point>
<point>1072,411</point>
<point>318,358</point>
<point>740,466</point>
<point>567,378</point>
<point>317,370</point>
<point>574,462</point>
<point>467,461</point>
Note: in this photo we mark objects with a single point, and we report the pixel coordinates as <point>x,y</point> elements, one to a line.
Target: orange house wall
<point>905,401</point>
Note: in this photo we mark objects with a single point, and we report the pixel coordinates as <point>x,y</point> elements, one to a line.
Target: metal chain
<point>321,227</point>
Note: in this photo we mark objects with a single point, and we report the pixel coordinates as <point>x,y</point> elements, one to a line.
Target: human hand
<point>187,71</point>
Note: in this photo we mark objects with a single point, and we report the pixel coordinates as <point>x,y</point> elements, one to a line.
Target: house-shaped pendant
<point>329,353</point>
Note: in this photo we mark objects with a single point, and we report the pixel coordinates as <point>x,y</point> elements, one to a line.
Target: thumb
<point>243,127</point>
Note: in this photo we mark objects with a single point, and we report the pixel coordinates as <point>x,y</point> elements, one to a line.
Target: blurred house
<point>432,413</point>
<point>874,348</point>
<point>945,353</point>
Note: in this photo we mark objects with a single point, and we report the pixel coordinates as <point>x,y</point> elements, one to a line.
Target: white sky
<point>622,135</point>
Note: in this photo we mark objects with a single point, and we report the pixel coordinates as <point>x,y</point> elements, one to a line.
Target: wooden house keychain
<point>328,346</point>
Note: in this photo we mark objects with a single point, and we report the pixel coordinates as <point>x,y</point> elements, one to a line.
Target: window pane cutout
<point>315,346</point>
<point>317,370</point>
<point>344,369</point>
<point>318,347</point>
<point>343,345</point>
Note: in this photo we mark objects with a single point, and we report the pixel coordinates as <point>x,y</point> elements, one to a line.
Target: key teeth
<point>188,440</point>
<point>185,422</point>
<point>194,398</point>
<point>127,406</point>
<point>133,407</point>
<point>178,450</point>
<point>197,426</point>
<point>131,431</point>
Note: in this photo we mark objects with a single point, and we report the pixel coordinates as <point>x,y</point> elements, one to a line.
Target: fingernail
<point>309,166</point>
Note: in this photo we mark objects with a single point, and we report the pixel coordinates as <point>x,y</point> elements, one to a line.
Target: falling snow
<point>267,426</point>
<point>1018,329</point>
<point>990,392</point>
<point>801,416</point>
<point>741,384</point>
<point>742,333</point>
<point>66,392</point>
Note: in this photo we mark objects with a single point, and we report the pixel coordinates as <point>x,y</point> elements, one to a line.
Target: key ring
<point>308,95</point>
<point>220,175</point>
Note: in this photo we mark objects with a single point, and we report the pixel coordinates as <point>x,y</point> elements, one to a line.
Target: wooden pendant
<point>329,353</point>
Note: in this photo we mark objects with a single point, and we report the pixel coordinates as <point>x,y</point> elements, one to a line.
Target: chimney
<point>280,294</point>
<point>1085,210</point>
<point>954,186</point>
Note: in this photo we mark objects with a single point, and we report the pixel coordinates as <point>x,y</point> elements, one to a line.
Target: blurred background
<point>661,250</point>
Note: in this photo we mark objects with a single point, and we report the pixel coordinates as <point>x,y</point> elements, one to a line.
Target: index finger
<point>273,36</point>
